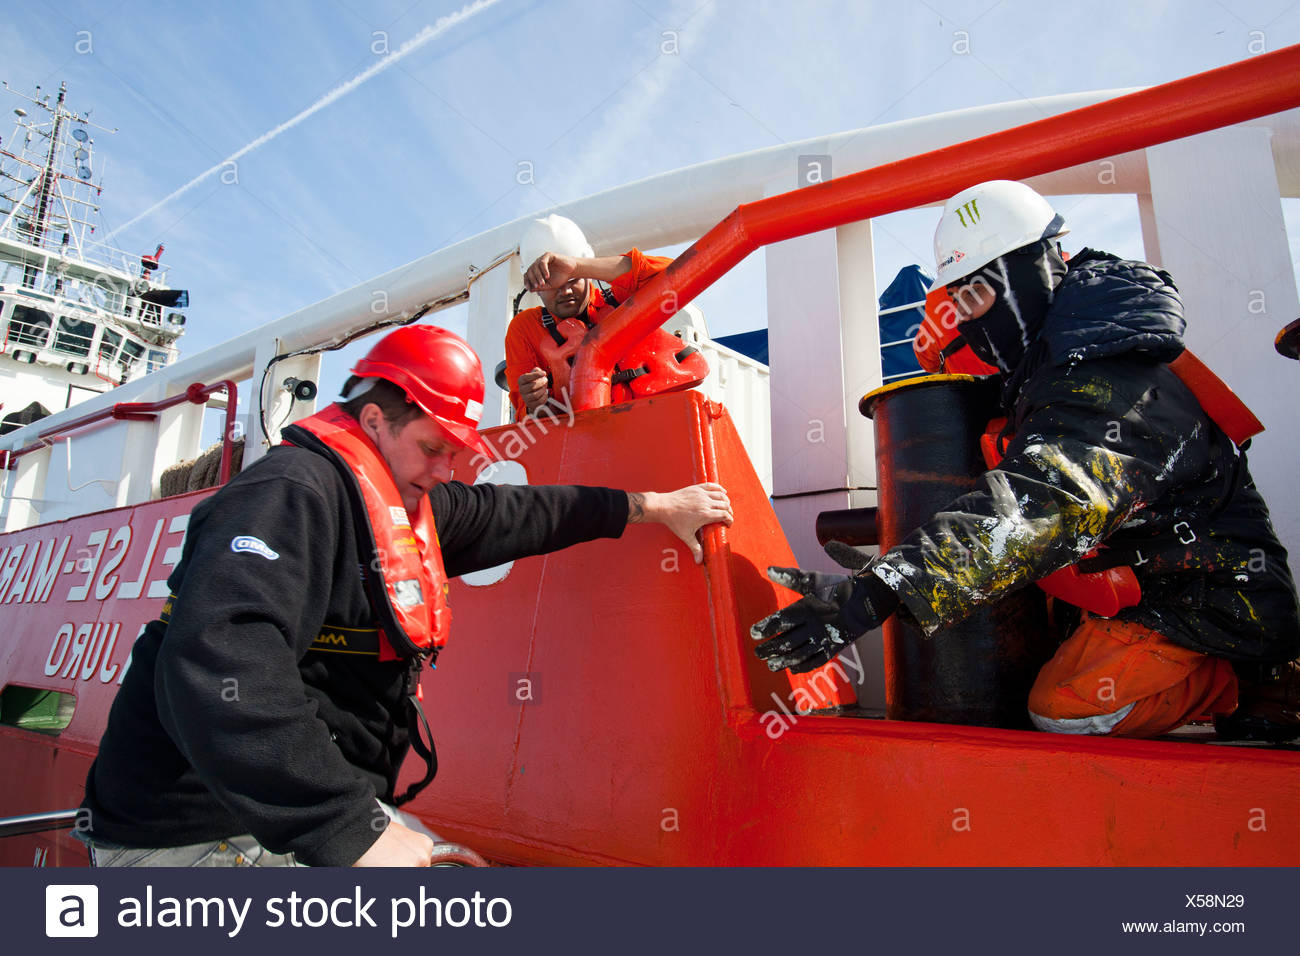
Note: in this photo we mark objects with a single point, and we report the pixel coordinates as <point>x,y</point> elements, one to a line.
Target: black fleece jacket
<point>1111,448</point>
<point>226,723</point>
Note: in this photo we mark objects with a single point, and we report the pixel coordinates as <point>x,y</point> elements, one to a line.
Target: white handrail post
<point>1222,236</point>
<point>280,406</point>
<point>809,449</point>
<point>860,347</point>
<point>490,297</point>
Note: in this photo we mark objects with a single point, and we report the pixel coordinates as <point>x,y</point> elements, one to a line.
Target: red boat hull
<point>603,706</point>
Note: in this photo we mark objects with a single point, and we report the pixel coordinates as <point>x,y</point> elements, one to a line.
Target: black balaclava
<point>1025,280</point>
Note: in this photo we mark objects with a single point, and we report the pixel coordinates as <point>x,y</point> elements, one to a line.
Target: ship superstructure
<point>78,316</point>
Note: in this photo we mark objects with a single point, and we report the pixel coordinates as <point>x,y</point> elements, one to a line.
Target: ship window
<point>131,350</point>
<point>73,336</point>
<point>29,326</point>
<point>36,708</point>
<point>157,360</point>
<point>108,344</point>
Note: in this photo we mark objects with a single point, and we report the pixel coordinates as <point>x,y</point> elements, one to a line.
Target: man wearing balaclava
<point>1110,460</point>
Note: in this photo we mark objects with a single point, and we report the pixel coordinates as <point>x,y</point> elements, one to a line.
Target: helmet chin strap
<point>586,296</point>
<point>359,388</point>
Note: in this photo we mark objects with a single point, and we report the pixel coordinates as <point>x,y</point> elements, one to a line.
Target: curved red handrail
<point>1268,83</point>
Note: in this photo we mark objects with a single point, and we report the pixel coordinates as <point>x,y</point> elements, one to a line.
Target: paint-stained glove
<point>835,611</point>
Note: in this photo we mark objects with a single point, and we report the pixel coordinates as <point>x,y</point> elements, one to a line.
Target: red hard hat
<point>439,372</point>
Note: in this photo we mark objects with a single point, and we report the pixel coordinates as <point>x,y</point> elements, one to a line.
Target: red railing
<point>1268,83</point>
<point>142,412</point>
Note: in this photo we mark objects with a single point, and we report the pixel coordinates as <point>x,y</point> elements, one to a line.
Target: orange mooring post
<point>1268,83</point>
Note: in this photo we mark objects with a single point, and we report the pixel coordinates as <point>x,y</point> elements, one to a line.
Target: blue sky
<point>426,152</point>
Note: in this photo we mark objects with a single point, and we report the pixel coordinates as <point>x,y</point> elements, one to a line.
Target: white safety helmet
<point>552,234</point>
<point>989,220</point>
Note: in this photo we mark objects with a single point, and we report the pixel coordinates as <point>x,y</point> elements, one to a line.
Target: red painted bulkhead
<point>653,735</point>
<point>654,738</point>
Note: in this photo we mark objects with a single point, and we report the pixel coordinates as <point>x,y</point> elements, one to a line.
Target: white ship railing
<point>822,320</point>
<point>90,259</point>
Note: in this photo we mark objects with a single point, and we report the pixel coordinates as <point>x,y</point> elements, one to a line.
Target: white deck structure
<point>78,316</point>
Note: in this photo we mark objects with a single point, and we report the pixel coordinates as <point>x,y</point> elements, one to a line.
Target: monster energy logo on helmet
<point>969,210</point>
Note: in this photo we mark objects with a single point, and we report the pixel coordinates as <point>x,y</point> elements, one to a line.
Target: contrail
<point>440,26</point>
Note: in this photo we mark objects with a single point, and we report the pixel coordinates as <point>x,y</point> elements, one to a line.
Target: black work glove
<point>835,611</point>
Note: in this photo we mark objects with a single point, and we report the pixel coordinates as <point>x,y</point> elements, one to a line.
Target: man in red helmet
<point>266,714</point>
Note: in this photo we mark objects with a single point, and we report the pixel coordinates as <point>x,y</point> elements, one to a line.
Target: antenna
<point>49,209</point>
<point>47,198</point>
<point>58,108</point>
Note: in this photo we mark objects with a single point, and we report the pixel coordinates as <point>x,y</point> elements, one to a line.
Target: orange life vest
<point>936,345</point>
<point>402,566</point>
<point>559,350</point>
<point>659,363</point>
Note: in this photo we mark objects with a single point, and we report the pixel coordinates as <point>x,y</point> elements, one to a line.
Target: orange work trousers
<point>1124,680</point>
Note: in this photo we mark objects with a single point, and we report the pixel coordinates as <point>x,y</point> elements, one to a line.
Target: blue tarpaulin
<point>753,344</point>
<point>898,361</point>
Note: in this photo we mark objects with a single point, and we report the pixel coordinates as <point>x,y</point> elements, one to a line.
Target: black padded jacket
<point>228,723</point>
<point>1111,448</point>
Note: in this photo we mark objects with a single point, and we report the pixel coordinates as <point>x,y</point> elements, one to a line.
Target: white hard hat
<point>553,234</point>
<point>989,220</point>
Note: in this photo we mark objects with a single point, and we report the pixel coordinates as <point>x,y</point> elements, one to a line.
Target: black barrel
<point>980,670</point>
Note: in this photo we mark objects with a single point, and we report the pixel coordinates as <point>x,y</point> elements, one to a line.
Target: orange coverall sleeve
<point>644,268</point>
<point>522,353</point>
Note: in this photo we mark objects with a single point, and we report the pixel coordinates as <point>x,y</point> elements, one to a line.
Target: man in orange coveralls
<point>562,269</point>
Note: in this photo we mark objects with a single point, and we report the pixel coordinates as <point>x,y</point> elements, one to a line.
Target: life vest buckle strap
<point>420,732</point>
<point>625,375</point>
